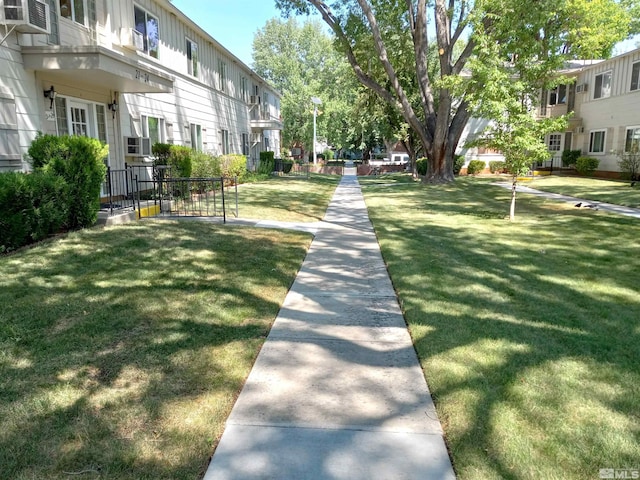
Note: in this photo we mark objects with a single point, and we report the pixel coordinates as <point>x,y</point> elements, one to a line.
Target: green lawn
<point>594,189</point>
<point>528,332</point>
<point>122,349</point>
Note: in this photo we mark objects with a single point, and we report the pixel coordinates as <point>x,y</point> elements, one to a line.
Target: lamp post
<point>316,101</point>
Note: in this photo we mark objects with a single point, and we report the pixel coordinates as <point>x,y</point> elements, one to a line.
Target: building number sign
<point>142,76</point>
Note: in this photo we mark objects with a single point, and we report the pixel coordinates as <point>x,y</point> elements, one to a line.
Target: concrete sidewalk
<point>337,391</point>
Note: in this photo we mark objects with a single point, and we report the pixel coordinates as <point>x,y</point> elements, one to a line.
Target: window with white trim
<point>153,128</point>
<point>596,141</point>
<point>222,75</point>
<point>54,37</point>
<point>244,89</point>
<point>635,76</point>
<point>555,140</point>
<point>148,26</point>
<point>192,57</point>
<point>196,136</point>
<point>632,140</point>
<point>245,144</point>
<point>558,95</point>
<point>73,10</point>
<point>225,142</point>
<point>603,85</point>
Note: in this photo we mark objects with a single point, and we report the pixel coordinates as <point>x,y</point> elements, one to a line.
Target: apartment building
<point>130,73</point>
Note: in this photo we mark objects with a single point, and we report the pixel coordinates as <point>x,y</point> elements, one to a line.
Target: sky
<point>233,23</point>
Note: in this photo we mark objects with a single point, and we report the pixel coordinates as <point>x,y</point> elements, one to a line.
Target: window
<point>54,36</point>
<point>243,89</point>
<point>196,137</point>
<point>603,85</point>
<point>147,25</point>
<point>153,128</point>
<point>555,139</point>
<point>192,58</point>
<point>9,136</point>
<point>73,10</point>
<point>222,75</point>
<point>245,144</point>
<point>558,95</point>
<point>596,141</point>
<point>225,142</point>
<point>635,76</point>
<point>632,139</point>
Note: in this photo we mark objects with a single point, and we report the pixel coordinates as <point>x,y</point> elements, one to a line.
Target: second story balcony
<point>263,120</point>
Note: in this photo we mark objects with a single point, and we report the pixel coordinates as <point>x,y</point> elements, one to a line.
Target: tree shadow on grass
<point>528,333</point>
<point>124,348</point>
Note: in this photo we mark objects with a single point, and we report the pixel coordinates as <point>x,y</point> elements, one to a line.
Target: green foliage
<point>587,165</point>
<point>421,166</point>
<point>205,165</point>
<point>287,165</point>
<point>328,154</point>
<point>178,157</point>
<point>497,166</point>
<point>79,161</point>
<point>233,165</point>
<point>458,163</point>
<point>570,157</point>
<point>629,163</point>
<point>267,162</point>
<point>475,167</point>
<point>32,207</point>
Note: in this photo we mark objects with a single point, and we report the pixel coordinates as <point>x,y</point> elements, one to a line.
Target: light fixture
<point>51,95</point>
<point>113,106</point>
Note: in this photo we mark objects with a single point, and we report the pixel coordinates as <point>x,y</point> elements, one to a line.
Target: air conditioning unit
<point>137,146</point>
<point>131,39</point>
<point>256,138</point>
<point>581,88</point>
<point>28,16</point>
<point>254,99</point>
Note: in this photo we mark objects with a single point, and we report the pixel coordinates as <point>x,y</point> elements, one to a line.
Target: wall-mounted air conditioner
<point>131,39</point>
<point>581,88</point>
<point>254,99</point>
<point>137,146</point>
<point>28,16</point>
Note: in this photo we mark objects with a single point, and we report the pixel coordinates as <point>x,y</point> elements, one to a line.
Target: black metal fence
<point>139,187</point>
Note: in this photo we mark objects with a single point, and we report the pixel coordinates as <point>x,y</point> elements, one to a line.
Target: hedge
<point>587,165</point>
<point>475,167</point>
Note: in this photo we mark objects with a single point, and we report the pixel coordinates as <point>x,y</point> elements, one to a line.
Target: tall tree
<point>300,60</point>
<point>538,35</point>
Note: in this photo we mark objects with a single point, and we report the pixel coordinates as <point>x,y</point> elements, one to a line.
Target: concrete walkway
<point>609,207</point>
<point>337,391</point>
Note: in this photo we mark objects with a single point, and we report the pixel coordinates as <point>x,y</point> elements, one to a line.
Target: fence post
<point>236,185</point>
<point>110,190</point>
<point>224,210</point>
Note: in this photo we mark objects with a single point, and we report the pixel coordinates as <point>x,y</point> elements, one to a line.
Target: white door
<point>79,119</point>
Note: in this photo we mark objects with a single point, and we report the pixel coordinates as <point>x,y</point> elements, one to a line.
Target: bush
<point>205,165</point>
<point>32,207</point>
<point>421,166</point>
<point>629,164</point>
<point>79,161</point>
<point>287,165</point>
<point>328,154</point>
<point>179,158</point>
<point>475,167</point>
<point>587,165</point>
<point>267,162</point>
<point>497,166</point>
<point>570,157</point>
<point>233,165</point>
<point>458,163</point>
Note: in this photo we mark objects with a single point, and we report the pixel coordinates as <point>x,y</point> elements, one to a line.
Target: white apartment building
<point>130,73</point>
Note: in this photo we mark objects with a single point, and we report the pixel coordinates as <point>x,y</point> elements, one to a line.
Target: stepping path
<point>337,391</point>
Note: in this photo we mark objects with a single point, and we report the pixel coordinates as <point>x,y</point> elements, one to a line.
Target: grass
<point>293,199</point>
<point>122,349</point>
<point>594,189</point>
<point>528,332</point>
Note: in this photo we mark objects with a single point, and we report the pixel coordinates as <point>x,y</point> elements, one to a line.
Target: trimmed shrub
<point>497,166</point>
<point>328,154</point>
<point>79,161</point>
<point>233,165</point>
<point>421,165</point>
<point>587,165</point>
<point>205,165</point>
<point>32,207</point>
<point>570,157</point>
<point>458,163</point>
<point>178,157</point>
<point>287,165</point>
<point>475,167</point>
